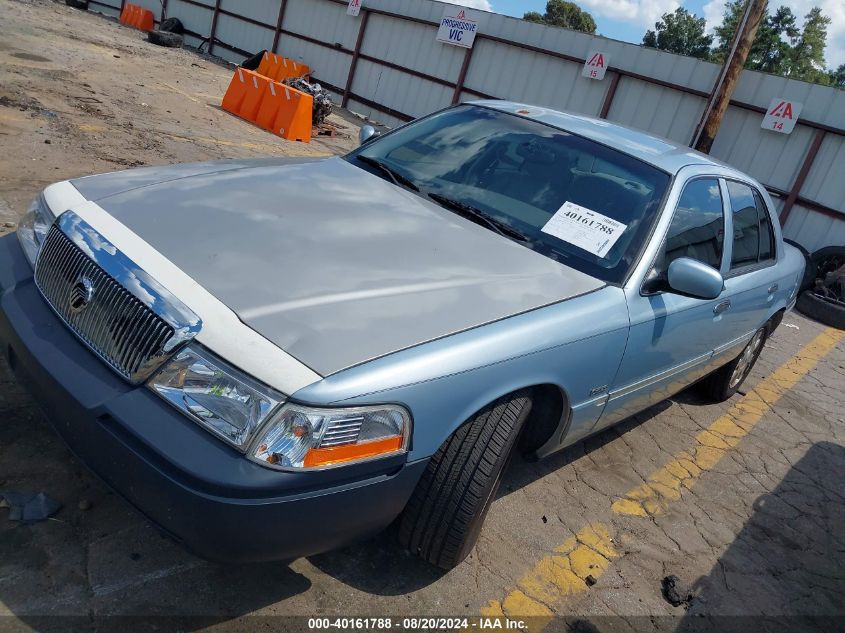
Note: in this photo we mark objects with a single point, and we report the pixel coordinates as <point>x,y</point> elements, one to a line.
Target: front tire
<point>444,516</point>
<point>726,381</point>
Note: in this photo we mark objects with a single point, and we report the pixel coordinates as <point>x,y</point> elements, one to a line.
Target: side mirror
<point>694,278</point>
<point>367,134</point>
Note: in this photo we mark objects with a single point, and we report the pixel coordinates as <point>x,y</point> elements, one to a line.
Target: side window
<point>746,237</point>
<point>767,233</point>
<point>698,226</point>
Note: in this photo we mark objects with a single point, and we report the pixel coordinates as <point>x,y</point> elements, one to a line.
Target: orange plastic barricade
<point>280,68</point>
<point>277,108</point>
<point>245,93</point>
<point>138,17</point>
<point>286,112</point>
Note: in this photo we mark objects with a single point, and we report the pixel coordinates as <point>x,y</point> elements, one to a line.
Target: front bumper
<point>201,491</point>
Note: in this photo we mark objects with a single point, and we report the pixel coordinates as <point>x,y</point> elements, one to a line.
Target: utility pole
<point>720,97</point>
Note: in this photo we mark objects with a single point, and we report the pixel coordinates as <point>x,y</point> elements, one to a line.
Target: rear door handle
<point>773,289</point>
<point>722,307</point>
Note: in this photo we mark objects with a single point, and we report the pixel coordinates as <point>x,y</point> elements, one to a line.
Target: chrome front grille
<point>130,334</point>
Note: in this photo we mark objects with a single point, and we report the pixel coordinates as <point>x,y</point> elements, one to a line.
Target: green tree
<point>837,77</point>
<point>769,52</point>
<point>565,14</point>
<point>780,46</point>
<point>806,59</point>
<point>680,32</point>
<point>771,45</point>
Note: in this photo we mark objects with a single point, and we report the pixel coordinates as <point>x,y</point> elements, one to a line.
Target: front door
<point>672,337</point>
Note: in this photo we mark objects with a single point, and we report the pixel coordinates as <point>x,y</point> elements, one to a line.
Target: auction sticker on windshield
<point>584,228</point>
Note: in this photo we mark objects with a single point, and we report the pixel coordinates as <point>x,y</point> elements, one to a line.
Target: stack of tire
<point>823,288</point>
<point>169,33</point>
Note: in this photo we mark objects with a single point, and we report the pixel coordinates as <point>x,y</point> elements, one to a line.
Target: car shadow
<point>785,570</point>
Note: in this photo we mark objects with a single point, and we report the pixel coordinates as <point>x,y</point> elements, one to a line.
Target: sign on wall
<point>781,115</point>
<point>457,27</point>
<point>354,7</point>
<point>595,65</point>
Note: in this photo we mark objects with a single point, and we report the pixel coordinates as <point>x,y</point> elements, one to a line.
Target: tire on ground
<point>77,4</point>
<point>717,386</point>
<point>809,266</point>
<point>171,25</point>
<point>444,516</point>
<point>826,260</point>
<point>821,310</point>
<point>163,38</point>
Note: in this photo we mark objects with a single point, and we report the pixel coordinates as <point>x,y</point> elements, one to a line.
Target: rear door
<point>751,280</point>
<point>672,337</point>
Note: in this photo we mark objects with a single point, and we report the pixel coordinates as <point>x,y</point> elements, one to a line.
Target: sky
<point>628,20</point>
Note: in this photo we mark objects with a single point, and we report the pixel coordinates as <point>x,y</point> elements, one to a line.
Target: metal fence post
<point>213,27</point>
<point>355,55</point>
<point>279,20</point>
<point>795,191</point>
<point>608,96</point>
<point>462,75</point>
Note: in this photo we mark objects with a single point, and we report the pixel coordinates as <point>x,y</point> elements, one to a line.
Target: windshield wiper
<point>395,176</point>
<point>478,216</point>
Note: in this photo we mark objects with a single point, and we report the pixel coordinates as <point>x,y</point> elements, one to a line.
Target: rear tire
<point>726,381</point>
<point>447,509</point>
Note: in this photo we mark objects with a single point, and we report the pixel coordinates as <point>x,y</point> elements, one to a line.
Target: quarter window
<point>698,226</point>
<point>753,237</point>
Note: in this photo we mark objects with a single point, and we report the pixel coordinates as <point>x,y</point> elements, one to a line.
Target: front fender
<point>576,345</point>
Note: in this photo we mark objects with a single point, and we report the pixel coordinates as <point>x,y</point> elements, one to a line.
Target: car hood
<point>334,265</point>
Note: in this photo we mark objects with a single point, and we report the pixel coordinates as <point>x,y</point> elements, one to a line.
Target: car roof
<point>663,153</point>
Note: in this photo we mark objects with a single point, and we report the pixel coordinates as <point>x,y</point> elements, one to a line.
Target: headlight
<point>218,396</point>
<point>303,437</point>
<point>33,228</point>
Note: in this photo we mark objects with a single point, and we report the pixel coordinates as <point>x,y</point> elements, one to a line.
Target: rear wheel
<point>444,516</point>
<point>725,382</point>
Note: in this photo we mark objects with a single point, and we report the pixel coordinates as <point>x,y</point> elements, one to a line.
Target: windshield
<point>569,198</point>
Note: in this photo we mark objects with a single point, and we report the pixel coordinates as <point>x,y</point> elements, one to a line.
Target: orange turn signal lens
<point>339,454</point>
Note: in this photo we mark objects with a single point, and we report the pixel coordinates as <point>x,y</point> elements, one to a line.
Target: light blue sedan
<point>273,358</point>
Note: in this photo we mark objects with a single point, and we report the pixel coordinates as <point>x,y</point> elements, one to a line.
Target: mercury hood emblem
<point>81,294</point>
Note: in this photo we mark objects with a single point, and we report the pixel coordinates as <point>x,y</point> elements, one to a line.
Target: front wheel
<point>725,382</point>
<point>444,516</point>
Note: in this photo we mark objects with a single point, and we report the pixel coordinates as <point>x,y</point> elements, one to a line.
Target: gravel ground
<point>759,532</point>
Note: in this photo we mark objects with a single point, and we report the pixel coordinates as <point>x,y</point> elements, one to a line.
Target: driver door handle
<point>773,289</point>
<point>722,307</point>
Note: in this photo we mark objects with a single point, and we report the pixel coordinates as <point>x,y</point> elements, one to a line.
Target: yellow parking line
<point>591,550</point>
<point>712,444</point>
<point>563,573</point>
